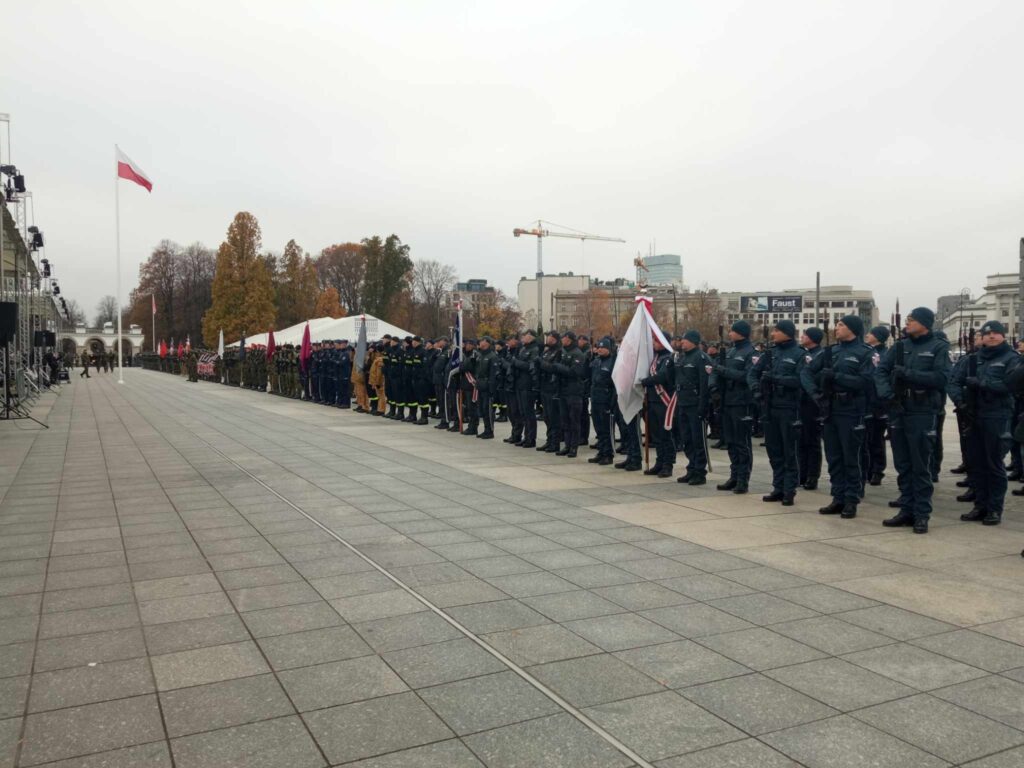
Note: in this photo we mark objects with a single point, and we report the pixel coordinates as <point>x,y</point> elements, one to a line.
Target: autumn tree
<point>106,311</point>
<point>500,318</point>
<point>702,309</point>
<point>327,304</point>
<point>242,293</point>
<point>388,269</point>
<point>432,281</point>
<point>343,267</point>
<point>594,314</point>
<point>297,288</point>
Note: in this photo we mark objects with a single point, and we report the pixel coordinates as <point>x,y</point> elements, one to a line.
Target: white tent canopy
<point>329,328</point>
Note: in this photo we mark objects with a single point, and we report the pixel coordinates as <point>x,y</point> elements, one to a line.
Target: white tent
<point>328,328</point>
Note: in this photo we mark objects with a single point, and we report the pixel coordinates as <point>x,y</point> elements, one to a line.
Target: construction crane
<point>540,233</point>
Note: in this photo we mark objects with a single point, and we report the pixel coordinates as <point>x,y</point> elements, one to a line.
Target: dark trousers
<point>485,409</point>
<point>692,427</point>
<point>810,443</point>
<point>515,414</point>
<point>585,421</point>
<point>470,410</point>
<point>631,441</point>
<point>439,399</point>
<point>552,419</point>
<point>988,441</point>
<point>736,428</point>
<point>782,441</point>
<point>913,438</point>
<point>601,412</point>
<point>451,405</point>
<point>936,463</point>
<point>844,436</point>
<point>526,399</point>
<point>571,407</point>
<point>345,391</point>
<point>873,460</point>
<point>664,445</point>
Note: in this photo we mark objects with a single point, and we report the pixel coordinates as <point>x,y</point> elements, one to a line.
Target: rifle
<point>899,385</point>
<point>970,409</point>
<point>767,385</point>
<point>827,389</point>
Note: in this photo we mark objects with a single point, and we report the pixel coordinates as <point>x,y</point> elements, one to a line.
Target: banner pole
<point>117,226</point>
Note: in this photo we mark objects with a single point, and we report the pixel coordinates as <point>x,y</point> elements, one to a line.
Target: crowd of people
<point>848,400</point>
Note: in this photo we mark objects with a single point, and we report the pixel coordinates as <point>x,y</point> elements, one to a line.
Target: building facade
<point>1000,301</point>
<point>473,293</point>
<point>765,308</point>
<point>530,296</point>
<point>664,269</point>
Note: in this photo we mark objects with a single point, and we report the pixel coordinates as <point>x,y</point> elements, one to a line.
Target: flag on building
<point>633,359</point>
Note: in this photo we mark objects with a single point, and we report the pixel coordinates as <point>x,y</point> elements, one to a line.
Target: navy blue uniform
<point>983,381</point>
<point>876,421</point>
<point>691,373</point>
<point>660,393</point>
<point>729,378</point>
<point>602,401</point>
<point>775,379</point>
<point>843,370</point>
<point>916,387</point>
<point>526,370</point>
<point>809,460</point>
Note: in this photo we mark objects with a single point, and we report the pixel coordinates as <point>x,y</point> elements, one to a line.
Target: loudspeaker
<point>8,321</point>
<point>51,339</point>
<point>38,338</point>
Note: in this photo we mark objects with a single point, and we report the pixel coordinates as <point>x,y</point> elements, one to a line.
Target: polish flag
<point>633,359</point>
<point>126,169</point>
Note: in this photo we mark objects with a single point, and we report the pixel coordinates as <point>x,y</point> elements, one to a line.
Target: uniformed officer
<point>841,378</point>
<point>484,374</point>
<point>344,365</point>
<point>583,342</point>
<point>775,380</point>
<point>602,399</point>
<point>419,381</point>
<point>810,416</point>
<point>692,368</point>
<point>729,378</point>
<point>508,385</point>
<point>549,393</point>
<point>983,384</point>
<point>526,380</point>
<point>569,368</point>
<point>913,376</point>
<point>470,394</point>
<point>497,390</point>
<point>438,376</point>
<point>659,386</point>
<point>876,418</point>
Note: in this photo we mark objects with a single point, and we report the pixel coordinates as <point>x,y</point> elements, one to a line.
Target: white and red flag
<point>634,357</point>
<point>127,169</point>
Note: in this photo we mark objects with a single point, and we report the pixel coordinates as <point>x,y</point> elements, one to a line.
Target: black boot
<point>969,496</point>
<point>488,435</point>
<point>684,478</point>
<point>665,472</point>
<point>773,496</point>
<point>563,452</point>
<point>571,453</point>
<point>1018,491</point>
<point>605,461</point>
<point>875,479</point>
<point>849,511</point>
<point>920,525</point>
<point>728,485</point>
<point>961,470</point>
<point>992,518</point>
<point>528,444</point>
<point>698,480</point>
<point>741,487</point>
<point>788,501</point>
<point>594,459</point>
<point>899,521</point>
<point>965,483</point>
<point>553,448</point>
<point>976,514</point>
<point>832,509</point>
<point>653,470</point>
<point>811,485</point>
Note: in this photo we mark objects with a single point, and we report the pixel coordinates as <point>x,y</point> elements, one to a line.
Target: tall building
<point>664,269</point>
<point>473,293</point>
<point>527,294</point>
<point>999,301</point>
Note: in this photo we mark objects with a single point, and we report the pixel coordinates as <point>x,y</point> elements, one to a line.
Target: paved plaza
<point>199,576</point>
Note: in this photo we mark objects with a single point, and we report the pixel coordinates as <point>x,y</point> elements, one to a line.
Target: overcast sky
<point>878,142</point>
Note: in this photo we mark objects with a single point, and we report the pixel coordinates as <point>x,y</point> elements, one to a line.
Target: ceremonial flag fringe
<point>634,357</point>
<point>271,346</point>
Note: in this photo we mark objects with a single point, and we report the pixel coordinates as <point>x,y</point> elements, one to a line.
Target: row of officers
<point>851,397</point>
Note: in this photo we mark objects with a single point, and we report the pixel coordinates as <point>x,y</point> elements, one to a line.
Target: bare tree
<point>343,267</point>
<point>702,309</point>
<point>431,281</point>
<point>106,311</point>
<point>75,312</point>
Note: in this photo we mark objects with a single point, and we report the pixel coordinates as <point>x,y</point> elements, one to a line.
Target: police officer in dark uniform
<point>419,381</point>
<point>438,375</point>
<point>913,377</point>
<point>775,380</point>
<point>345,363</point>
<point>810,416</point>
<point>470,394</point>
<point>876,419</point>
<point>569,369</point>
<point>391,376</point>
<point>484,372</point>
<point>453,388</point>
<point>526,369</point>
<point>692,368</point>
<point>583,342</point>
<point>602,400</point>
<point>841,379</point>
<point>981,388</point>
<point>659,386</point>
<point>549,393</point>
<point>497,376</point>
<point>508,387</point>
<point>729,378</point>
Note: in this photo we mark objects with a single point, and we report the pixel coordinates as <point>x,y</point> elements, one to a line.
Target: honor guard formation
<point>797,392</point>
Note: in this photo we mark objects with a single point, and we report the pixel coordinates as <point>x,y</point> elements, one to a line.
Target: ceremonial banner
<point>633,359</point>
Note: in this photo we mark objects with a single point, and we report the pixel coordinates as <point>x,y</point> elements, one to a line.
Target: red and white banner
<point>126,169</point>
<point>634,357</point>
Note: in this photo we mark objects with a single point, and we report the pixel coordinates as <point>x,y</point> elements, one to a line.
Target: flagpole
<point>153,299</point>
<point>117,226</point>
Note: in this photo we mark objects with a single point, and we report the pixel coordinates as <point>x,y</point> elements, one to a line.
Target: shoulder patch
<point>808,358</point>
<point>876,359</point>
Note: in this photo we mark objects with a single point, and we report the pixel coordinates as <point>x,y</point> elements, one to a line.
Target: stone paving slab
<point>204,576</point>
